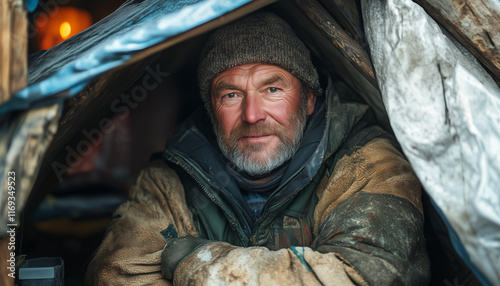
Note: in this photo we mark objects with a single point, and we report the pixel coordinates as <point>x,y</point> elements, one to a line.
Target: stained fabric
<point>443,107</point>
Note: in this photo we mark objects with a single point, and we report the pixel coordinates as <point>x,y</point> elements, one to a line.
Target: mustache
<point>256,129</point>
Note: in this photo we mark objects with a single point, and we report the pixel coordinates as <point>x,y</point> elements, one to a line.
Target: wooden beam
<point>347,46</point>
<point>330,58</point>
<point>5,50</point>
<point>19,46</point>
<point>346,12</point>
<point>13,47</point>
<point>474,23</point>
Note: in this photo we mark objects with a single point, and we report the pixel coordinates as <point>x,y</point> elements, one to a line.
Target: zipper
<point>286,199</point>
<point>264,217</point>
<point>180,161</point>
<point>263,220</point>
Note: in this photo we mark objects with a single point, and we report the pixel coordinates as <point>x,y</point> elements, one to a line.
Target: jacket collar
<point>194,148</point>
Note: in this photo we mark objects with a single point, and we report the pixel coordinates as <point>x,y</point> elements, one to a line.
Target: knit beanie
<point>257,38</point>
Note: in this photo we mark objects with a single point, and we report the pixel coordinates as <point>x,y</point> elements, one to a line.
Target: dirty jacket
<point>347,211</point>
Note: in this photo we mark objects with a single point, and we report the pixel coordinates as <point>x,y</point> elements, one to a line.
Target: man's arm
<point>368,228</point>
<point>130,253</point>
<point>371,215</point>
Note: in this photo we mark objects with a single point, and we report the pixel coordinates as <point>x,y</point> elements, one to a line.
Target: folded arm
<point>130,253</point>
<point>368,229</point>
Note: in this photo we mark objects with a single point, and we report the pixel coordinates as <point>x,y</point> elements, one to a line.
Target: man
<point>278,185</point>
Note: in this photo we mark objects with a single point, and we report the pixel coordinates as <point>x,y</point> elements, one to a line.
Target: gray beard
<point>285,151</point>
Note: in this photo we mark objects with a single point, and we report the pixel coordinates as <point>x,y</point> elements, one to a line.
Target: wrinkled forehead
<point>253,75</point>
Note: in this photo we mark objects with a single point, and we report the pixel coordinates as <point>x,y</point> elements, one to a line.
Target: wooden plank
<point>330,58</point>
<point>19,47</point>
<point>347,46</point>
<point>346,12</point>
<point>474,23</point>
<point>13,47</point>
<point>5,49</point>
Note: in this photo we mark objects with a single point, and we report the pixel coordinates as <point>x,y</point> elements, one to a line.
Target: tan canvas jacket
<point>130,253</point>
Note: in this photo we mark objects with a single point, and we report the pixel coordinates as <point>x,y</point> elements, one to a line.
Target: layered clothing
<point>346,210</point>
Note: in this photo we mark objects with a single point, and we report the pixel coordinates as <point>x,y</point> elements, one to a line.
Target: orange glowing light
<point>60,25</point>
<point>65,30</point>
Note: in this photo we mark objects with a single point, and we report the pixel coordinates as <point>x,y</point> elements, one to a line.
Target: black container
<point>44,271</point>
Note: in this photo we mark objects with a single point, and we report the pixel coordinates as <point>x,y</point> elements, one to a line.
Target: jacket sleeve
<point>130,253</point>
<point>368,231</point>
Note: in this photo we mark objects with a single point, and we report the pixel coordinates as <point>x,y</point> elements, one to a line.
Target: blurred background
<point>54,21</point>
<point>71,220</point>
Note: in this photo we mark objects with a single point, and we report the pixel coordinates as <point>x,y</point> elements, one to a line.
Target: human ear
<point>311,101</point>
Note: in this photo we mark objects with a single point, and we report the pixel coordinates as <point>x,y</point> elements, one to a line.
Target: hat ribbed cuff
<point>257,38</point>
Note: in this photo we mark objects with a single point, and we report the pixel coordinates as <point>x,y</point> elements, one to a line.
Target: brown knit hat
<point>257,38</point>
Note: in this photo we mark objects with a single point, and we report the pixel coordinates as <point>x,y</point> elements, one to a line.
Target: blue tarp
<point>66,69</point>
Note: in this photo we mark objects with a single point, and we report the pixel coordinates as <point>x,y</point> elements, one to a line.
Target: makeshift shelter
<point>429,69</point>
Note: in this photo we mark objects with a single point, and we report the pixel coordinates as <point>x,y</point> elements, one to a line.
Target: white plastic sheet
<point>445,111</point>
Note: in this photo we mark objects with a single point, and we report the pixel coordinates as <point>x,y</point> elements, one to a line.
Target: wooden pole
<point>13,47</point>
<point>13,76</point>
<point>347,15</point>
<point>5,50</point>
<point>346,45</point>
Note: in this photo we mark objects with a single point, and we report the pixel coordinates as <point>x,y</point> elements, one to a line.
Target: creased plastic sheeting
<point>135,26</point>
<point>444,110</point>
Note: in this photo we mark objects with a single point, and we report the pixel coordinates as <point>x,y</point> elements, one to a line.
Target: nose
<point>253,109</point>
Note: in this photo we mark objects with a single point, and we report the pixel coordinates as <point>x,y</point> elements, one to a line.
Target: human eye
<point>273,89</point>
<point>229,95</point>
<point>274,92</point>
<point>229,98</point>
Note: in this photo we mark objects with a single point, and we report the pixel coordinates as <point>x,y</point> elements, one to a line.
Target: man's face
<point>258,115</point>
